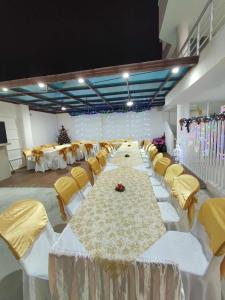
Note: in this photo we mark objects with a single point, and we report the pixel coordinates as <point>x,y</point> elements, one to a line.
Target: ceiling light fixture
<point>130,103</point>
<point>5,89</point>
<point>175,70</point>
<point>81,80</point>
<point>126,75</point>
<point>41,85</point>
<point>63,108</point>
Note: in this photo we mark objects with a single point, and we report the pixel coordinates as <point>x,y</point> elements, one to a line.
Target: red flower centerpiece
<point>120,187</point>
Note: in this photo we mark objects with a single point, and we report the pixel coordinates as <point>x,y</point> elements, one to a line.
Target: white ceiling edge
<point>204,82</point>
<point>177,12</point>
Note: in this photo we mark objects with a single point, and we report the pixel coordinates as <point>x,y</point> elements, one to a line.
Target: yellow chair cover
<point>161,165</point>
<point>152,153</point>
<point>21,224</point>
<point>27,152</point>
<point>74,147</point>
<point>88,147</point>
<point>184,189</point>
<point>172,172</point>
<point>66,187</point>
<point>37,154</point>
<point>156,158</point>
<point>146,144</point>
<point>101,157</point>
<point>212,217</point>
<point>94,165</point>
<point>81,177</point>
<point>64,152</point>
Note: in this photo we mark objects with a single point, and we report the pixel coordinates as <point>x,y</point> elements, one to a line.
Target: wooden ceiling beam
<point>113,70</point>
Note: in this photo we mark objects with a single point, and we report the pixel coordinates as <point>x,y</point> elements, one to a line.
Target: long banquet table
<point>102,252</point>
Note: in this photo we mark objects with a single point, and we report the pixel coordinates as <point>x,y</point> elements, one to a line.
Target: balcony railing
<point>211,19</point>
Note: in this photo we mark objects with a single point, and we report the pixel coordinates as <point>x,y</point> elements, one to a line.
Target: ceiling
<point>147,86</point>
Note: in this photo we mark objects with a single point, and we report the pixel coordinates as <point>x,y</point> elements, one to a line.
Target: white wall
<point>10,114</point>
<point>44,128</point>
<point>26,129</point>
<point>147,124</point>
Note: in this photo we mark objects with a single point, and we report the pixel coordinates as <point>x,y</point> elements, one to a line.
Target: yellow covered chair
<point>41,164</point>
<point>102,158</point>
<point>25,227</point>
<point>199,253</point>
<point>89,150</point>
<point>172,172</point>
<point>69,196</point>
<point>82,179</point>
<point>30,160</point>
<point>184,190</point>
<point>94,166</point>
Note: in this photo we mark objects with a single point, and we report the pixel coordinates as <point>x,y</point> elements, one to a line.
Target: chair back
<point>74,147</point>
<point>66,187</point>
<point>80,176</point>
<point>94,165</point>
<point>212,217</point>
<point>172,172</point>
<point>184,189</point>
<point>21,224</point>
<point>101,157</point>
<point>27,153</point>
<point>161,165</point>
<point>37,153</point>
<point>88,147</point>
<point>152,153</point>
<point>156,158</point>
<point>64,152</point>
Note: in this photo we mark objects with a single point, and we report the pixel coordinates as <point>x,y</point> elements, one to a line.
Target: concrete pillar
<point>26,126</point>
<point>182,34</point>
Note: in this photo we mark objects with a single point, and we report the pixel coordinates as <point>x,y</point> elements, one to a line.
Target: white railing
<point>202,150</point>
<point>211,19</point>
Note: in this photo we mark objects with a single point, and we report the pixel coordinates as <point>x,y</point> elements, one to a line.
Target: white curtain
<point>142,125</point>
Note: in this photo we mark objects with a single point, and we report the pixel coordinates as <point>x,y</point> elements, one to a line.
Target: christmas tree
<point>63,137</point>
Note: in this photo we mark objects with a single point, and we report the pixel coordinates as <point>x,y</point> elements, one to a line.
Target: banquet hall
<point>112,173</point>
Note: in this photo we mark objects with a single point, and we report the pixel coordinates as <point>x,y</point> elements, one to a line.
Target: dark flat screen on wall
<point>3,136</point>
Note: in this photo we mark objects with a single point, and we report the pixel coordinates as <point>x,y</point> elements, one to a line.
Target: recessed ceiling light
<point>130,103</point>
<point>41,85</point>
<point>81,80</point>
<point>5,89</point>
<point>175,70</point>
<point>126,75</point>
<point>63,108</point>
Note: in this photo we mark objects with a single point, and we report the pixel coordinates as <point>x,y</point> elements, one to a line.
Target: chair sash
<point>156,158</point>
<point>27,153</point>
<point>88,148</point>
<point>21,224</point>
<point>152,153</point>
<point>172,172</point>
<point>161,165</point>
<point>81,177</point>
<point>64,152</point>
<point>94,165</point>
<point>212,217</point>
<point>37,154</point>
<point>101,157</point>
<point>184,189</point>
<point>74,148</point>
<point>66,187</point>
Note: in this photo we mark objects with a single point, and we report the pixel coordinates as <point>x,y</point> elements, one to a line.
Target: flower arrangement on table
<point>160,143</point>
<point>120,187</point>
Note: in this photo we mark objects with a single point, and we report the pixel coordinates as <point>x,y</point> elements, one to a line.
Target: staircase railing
<point>211,19</point>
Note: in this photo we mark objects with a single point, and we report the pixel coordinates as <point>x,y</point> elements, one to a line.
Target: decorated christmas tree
<point>63,137</point>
